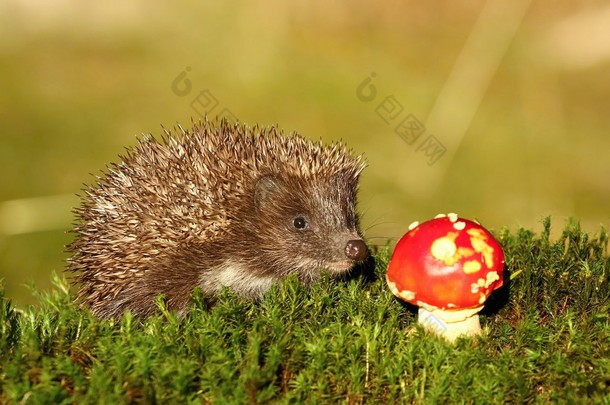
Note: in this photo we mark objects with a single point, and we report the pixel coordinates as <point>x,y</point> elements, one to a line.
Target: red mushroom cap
<point>447,263</point>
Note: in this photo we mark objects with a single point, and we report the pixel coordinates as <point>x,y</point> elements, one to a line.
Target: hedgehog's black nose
<point>356,250</point>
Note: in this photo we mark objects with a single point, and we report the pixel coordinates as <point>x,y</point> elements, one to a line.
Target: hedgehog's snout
<point>356,250</point>
<point>346,254</point>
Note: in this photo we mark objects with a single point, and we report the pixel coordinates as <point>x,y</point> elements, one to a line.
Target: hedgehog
<point>216,206</point>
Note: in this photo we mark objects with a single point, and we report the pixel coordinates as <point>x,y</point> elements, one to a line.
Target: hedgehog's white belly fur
<point>237,277</point>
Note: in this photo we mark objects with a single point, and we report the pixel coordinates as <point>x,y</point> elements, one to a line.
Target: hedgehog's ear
<point>265,188</point>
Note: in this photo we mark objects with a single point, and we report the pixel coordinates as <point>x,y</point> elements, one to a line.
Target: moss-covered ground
<point>546,339</point>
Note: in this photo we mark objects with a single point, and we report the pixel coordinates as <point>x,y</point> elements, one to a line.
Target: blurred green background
<point>506,103</point>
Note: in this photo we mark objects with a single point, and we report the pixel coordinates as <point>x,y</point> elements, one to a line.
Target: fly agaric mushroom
<point>447,266</point>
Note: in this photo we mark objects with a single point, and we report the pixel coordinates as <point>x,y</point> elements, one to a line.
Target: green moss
<point>547,338</point>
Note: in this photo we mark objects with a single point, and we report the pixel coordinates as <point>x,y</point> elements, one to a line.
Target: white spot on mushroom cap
<point>443,248</point>
<point>426,306</point>
<point>392,286</point>
<point>440,216</point>
<point>471,266</point>
<point>452,216</point>
<point>492,277</point>
<point>460,225</point>
<point>413,225</point>
<point>406,295</point>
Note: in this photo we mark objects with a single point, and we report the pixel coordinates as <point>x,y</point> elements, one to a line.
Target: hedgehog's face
<point>308,226</point>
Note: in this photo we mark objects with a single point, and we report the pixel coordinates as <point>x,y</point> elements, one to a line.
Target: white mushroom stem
<point>451,324</point>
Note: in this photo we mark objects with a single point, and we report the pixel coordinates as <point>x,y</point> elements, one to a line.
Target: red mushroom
<point>447,266</point>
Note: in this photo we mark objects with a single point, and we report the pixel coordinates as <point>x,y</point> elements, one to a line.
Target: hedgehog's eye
<point>300,223</point>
